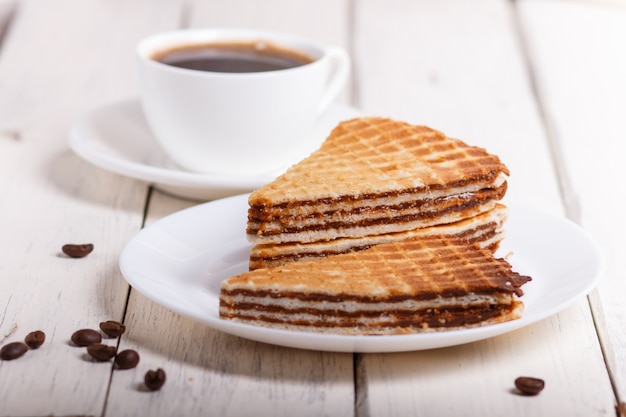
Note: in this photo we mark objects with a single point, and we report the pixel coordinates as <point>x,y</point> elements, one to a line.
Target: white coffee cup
<point>236,123</point>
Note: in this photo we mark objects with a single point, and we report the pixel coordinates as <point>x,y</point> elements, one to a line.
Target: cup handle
<point>339,69</point>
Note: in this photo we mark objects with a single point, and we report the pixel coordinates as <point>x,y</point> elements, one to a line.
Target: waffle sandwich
<point>375,177</point>
<point>417,285</point>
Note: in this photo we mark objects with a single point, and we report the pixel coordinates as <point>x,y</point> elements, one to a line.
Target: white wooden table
<point>541,83</point>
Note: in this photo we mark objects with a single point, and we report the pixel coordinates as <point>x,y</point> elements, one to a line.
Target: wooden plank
<point>7,7</point>
<point>214,373</point>
<point>478,378</point>
<point>579,60</point>
<point>325,21</point>
<point>211,373</point>
<point>474,87</point>
<point>61,58</point>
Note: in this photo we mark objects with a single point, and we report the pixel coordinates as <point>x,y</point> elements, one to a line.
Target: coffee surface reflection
<point>244,57</point>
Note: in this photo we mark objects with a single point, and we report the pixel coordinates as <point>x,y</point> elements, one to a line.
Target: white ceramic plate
<point>180,261</point>
<point>116,137</point>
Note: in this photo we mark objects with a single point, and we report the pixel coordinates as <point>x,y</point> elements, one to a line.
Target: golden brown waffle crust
<point>410,286</point>
<point>375,176</point>
<point>374,157</point>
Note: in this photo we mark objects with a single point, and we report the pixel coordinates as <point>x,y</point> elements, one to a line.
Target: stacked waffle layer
<point>375,177</point>
<point>485,230</point>
<point>416,285</point>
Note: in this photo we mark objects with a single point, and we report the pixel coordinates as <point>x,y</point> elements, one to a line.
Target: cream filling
<point>360,231</point>
<point>291,305</point>
<point>358,202</point>
<point>496,218</point>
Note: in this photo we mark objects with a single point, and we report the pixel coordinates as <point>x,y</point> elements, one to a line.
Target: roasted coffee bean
<point>13,351</point>
<point>77,251</point>
<point>528,385</point>
<point>112,328</point>
<point>35,339</point>
<point>154,380</point>
<point>127,359</point>
<point>85,337</point>
<point>101,352</point>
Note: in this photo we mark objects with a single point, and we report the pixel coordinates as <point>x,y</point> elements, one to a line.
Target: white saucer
<point>116,137</point>
<point>181,266</point>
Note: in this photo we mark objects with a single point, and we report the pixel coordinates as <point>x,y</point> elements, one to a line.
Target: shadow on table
<point>178,339</point>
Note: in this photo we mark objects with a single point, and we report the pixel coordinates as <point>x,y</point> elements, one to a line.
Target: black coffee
<point>233,57</point>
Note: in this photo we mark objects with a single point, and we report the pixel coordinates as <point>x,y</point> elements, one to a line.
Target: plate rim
<point>361,343</point>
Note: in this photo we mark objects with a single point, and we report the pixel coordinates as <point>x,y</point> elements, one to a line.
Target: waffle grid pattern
<point>374,154</point>
<point>418,268</point>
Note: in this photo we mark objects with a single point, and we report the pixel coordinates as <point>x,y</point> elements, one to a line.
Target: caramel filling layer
<point>487,232</point>
<point>485,178</point>
<point>257,224</point>
<point>505,288</point>
<point>430,318</point>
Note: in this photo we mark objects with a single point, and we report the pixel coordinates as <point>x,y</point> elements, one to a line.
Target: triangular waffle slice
<point>417,285</point>
<point>372,176</point>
